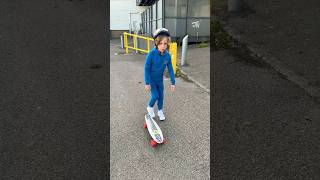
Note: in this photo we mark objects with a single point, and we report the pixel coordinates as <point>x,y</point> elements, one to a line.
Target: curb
<point>275,63</point>
<point>194,81</point>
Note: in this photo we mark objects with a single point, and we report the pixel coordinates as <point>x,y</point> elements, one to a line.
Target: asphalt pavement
<point>53,79</point>
<point>263,126</point>
<point>284,33</point>
<point>186,154</point>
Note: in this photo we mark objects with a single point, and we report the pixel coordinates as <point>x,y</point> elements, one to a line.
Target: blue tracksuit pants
<point>156,95</point>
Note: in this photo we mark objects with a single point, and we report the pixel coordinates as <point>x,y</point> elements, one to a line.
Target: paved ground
<point>53,102</point>
<point>285,32</point>
<point>198,65</point>
<point>267,127</point>
<point>185,156</point>
<point>264,126</point>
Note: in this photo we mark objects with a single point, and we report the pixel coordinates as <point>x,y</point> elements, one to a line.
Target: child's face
<point>163,44</point>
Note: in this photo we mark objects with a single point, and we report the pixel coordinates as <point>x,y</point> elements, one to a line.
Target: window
<point>199,8</point>
<point>159,9</point>
<point>154,11</point>
<point>176,8</point>
<point>150,19</point>
<point>171,25</point>
<point>159,22</point>
<point>147,21</point>
<point>154,25</point>
<point>182,8</point>
<point>170,8</point>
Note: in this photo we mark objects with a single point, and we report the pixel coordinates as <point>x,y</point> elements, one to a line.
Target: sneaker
<point>161,115</point>
<point>151,112</point>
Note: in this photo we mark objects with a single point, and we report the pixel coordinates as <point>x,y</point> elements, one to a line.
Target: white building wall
<point>119,14</point>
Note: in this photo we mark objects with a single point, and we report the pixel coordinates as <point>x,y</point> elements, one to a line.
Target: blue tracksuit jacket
<point>155,65</point>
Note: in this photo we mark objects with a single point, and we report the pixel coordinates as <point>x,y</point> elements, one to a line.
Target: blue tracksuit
<point>153,74</point>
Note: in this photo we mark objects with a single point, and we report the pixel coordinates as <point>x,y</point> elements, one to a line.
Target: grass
<point>202,45</point>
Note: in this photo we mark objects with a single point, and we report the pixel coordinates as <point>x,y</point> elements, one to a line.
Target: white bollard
<point>121,38</point>
<point>184,51</point>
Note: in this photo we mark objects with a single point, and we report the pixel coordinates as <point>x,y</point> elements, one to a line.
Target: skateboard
<point>154,131</point>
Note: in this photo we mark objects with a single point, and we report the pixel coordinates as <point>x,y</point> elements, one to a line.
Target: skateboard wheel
<point>153,143</point>
<point>145,125</point>
<point>164,141</point>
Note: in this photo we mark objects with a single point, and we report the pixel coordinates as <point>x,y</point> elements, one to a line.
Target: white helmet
<point>161,31</point>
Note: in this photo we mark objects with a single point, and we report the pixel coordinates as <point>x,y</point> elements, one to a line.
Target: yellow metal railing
<point>173,53</point>
<point>172,47</point>
<point>135,38</point>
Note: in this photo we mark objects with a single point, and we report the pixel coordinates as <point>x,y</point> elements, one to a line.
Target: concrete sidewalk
<point>283,33</point>
<point>198,65</point>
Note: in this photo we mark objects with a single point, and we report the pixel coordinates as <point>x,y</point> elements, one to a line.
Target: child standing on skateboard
<point>156,62</point>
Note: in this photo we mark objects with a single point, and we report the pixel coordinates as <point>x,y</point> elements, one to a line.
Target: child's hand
<point>147,87</point>
<point>173,88</point>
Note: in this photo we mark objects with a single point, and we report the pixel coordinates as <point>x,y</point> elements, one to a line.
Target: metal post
<point>184,51</point>
<point>134,42</point>
<point>121,38</point>
<point>137,44</point>
<point>197,37</point>
<point>176,8</point>
<point>196,26</point>
<point>234,5</point>
<point>126,42</point>
<point>130,24</point>
<point>177,14</point>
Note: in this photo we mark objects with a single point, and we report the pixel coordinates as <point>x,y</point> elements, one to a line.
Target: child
<point>156,62</point>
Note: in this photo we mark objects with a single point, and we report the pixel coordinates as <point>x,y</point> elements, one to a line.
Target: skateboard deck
<point>154,130</point>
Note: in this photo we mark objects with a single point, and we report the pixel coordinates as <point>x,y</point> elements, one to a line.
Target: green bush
<point>216,26</point>
<point>220,38</point>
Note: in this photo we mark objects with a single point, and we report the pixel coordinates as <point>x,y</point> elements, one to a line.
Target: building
<point>180,17</point>
<point>125,16</point>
